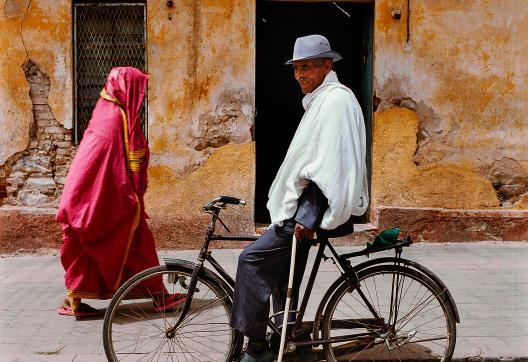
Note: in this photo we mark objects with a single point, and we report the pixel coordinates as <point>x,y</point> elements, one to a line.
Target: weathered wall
<point>201,106</point>
<point>450,128</point>
<point>201,59</point>
<point>35,146</point>
<point>46,31</point>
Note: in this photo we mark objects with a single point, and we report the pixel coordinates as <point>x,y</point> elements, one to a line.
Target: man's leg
<point>259,272</point>
<point>280,291</point>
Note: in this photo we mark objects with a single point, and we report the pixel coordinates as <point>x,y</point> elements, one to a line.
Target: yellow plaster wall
<point>46,30</point>
<point>464,75</point>
<point>201,62</point>
<point>229,171</point>
<point>397,180</point>
<point>201,59</point>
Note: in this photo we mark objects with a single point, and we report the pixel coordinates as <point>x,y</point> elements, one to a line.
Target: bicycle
<point>387,308</point>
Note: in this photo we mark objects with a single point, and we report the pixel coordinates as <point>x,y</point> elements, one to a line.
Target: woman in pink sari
<point>106,236</point>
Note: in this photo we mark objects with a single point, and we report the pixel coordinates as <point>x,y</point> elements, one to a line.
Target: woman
<point>106,236</point>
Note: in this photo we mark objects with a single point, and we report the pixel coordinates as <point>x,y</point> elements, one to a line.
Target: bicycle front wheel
<point>394,313</point>
<point>140,321</point>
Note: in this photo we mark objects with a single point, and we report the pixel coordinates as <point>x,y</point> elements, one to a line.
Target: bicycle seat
<point>221,201</point>
<point>342,230</point>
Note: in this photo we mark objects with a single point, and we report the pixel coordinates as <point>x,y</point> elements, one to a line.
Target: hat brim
<point>335,56</point>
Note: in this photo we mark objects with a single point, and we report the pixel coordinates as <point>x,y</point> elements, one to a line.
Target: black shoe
<point>266,356</point>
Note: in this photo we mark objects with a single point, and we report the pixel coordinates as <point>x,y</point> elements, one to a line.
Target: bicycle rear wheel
<point>415,319</point>
<point>137,326</point>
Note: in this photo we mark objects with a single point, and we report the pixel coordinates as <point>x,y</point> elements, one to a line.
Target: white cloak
<point>329,149</point>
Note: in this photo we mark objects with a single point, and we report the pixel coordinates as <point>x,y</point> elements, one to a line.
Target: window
<point>106,35</point>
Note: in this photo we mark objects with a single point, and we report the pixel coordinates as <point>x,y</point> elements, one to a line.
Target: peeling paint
<point>450,106</point>
<point>509,179</point>
<point>35,176</point>
<point>208,81</point>
<point>46,30</point>
<point>227,123</point>
<point>15,8</point>
<point>397,181</point>
<point>464,80</point>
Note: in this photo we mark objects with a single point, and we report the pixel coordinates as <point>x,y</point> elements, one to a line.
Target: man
<point>321,185</point>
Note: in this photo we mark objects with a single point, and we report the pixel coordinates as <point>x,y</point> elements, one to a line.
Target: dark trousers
<point>263,271</point>
<point>264,267</point>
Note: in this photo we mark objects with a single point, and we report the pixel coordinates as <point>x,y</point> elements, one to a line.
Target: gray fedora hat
<point>311,47</point>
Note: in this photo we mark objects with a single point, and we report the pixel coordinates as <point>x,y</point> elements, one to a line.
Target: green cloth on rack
<point>385,238</point>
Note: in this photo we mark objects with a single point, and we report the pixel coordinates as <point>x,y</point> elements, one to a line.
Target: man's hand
<point>303,233</point>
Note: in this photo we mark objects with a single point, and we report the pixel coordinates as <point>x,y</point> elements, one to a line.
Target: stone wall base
<point>28,228</point>
<point>445,225</point>
<point>33,228</point>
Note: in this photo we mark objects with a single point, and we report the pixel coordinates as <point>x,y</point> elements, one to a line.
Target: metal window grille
<point>106,35</point>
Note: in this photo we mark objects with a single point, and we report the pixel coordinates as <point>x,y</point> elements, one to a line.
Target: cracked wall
<point>458,87</point>
<point>201,89</point>
<point>201,108</point>
<point>35,100</point>
<point>35,176</point>
<point>454,96</point>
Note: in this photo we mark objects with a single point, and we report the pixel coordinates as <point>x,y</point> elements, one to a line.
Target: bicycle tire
<point>133,330</point>
<point>424,327</point>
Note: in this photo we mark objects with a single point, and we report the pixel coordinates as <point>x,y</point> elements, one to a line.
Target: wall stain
<point>226,123</point>
<point>398,181</point>
<point>194,53</point>
<point>15,8</point>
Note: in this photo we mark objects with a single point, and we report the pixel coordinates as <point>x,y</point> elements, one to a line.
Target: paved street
<point>489,282</point>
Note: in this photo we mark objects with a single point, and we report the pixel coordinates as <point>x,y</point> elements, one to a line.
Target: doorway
<point>349,28</point>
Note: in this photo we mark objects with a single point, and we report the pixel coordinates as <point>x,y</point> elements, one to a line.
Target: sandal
<point>81,310</point>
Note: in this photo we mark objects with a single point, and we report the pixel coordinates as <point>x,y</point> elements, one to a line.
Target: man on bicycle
<point>321,185</point>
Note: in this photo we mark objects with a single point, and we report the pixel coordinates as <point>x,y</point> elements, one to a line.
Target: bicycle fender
<point>173,264</point>
<point>392,260</point>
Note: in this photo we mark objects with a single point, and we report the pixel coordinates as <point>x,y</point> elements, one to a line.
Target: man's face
<point>310,73</point>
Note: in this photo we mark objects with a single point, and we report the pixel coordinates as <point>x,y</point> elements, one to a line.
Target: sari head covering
<point>106,237</point>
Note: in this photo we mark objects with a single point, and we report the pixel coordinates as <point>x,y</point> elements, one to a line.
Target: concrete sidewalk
<point>489,282</point>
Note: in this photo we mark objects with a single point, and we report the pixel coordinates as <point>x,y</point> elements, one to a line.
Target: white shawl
<point>328,148</point>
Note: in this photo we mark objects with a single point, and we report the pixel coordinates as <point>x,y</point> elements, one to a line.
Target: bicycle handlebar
<point>221,201</point>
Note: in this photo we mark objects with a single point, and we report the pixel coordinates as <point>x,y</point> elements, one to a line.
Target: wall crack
<point>36,176</point>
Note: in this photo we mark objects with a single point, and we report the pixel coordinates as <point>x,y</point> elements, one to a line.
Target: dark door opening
<point>348,26</point>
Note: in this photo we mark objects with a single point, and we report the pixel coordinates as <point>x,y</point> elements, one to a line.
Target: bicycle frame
<point>204,255</point>
<point>349,273</point>
<point>385,305</point>
<point>341,260</point>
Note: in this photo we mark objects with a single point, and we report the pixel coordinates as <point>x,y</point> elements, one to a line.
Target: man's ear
<point>328,65</point>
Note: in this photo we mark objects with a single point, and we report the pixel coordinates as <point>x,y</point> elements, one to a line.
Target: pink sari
<point>106,237</point>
